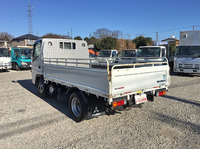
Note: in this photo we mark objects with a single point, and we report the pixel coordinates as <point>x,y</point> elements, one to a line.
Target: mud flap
<point>96,107</point>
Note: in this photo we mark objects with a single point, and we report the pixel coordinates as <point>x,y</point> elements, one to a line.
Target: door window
<point>37,50</point>
<point>163,52</point>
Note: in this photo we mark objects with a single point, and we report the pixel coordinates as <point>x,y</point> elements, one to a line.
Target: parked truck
<point>128,53</point>
<point>187,54</point>
<point>108,53</point>
<point>63,64</point>
<point>21,57</point>
<point>5,62</point>
<point>154,53</point>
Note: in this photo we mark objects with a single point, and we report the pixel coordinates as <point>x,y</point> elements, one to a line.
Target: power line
<point>156,32</point>
<point>163,31</point>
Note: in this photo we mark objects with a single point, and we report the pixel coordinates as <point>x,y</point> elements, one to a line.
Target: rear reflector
<point>118,103</point>
<point>162,93</point>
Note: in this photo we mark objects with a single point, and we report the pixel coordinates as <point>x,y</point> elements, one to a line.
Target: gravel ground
<point>27,121</point>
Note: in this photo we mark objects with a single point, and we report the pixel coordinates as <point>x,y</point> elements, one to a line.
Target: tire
<point>42,88</point>
<point>17,67</point>
<point>77,106</point>
<point>13,66</point>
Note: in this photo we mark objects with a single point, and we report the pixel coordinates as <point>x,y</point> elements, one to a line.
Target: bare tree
<point>102,33</point>
<point>117,34</point>
<point>6,36</point>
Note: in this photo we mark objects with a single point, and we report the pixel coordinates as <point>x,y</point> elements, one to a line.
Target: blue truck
<point>21,58</point>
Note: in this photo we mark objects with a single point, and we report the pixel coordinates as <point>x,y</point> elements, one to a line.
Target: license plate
<point>140,98</point>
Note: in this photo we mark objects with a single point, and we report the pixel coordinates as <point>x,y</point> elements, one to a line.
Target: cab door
<point>36,60</point>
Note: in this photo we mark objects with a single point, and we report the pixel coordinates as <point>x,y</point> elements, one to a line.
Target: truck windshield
<point>188,51</point>
<point>128,53</point>
<point>26,52</point>
<point>148,52</point>
<point>104,53</point>
<point>4,52</point>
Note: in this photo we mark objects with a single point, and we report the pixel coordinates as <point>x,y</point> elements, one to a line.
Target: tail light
<point>161,93</point>
<point>118,103</point>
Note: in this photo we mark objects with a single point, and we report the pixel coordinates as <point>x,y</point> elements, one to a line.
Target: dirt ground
<point>27,121</point>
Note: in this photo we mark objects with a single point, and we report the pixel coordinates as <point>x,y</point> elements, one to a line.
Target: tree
<point>149,41</point>
<point>106,43</point>
<point>117,34</point>
<point>121,44</point>
<point>130,44</point>
<point>5,36</point>
<point>172,48</point>
<point>142,41</point>
<point>78,38</point>
<point>91,40</point>
<point>104,32</point>
<point>51,35</point>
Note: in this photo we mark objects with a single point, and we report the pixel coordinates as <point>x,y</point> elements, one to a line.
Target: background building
<point>24,40</point>
<point>3,44</point>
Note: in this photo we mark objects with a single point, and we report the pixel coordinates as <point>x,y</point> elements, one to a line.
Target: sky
<point>84,17</point>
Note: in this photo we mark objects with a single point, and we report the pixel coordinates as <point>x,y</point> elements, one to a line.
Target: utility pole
<point>29,18</point>
<point>195,26</point>
<point>156,38</point>
<point>71,33</point>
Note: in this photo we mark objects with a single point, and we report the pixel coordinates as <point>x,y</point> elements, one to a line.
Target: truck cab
<point>187,59</point>
<point>108,53</point>
<point>151,54</point>
<point>5,62</point>
<point>187,54</point>
<point>21,58</point>
<point>128,53</point>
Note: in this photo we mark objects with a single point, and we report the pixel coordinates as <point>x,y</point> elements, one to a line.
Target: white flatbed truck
<point>94,91</point>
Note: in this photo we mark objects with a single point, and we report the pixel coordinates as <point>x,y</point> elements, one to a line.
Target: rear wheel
<point>77,106</point>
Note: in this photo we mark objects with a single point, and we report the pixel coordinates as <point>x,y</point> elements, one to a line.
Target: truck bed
<point>109,80</point>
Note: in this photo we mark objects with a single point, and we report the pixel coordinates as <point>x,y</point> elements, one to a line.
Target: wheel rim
<point>76,107</point>
<point>16,67</point>
<point>40,87</point>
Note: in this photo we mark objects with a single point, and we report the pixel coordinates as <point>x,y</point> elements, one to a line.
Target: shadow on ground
<point>182,100</point>
<point>174,122</point>
<point>60,103</point>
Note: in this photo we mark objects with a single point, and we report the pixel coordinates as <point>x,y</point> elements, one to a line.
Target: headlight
<point>23,63</point>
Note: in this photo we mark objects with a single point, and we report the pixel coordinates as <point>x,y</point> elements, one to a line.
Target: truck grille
<point>188,66</point>
<point>5,64</point>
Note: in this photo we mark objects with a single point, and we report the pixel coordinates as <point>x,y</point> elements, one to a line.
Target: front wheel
<point>42,88</point>
<point>17,67</point>
<point>77,106</point>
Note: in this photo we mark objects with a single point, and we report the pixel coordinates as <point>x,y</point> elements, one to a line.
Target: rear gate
<point>127,80</point>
